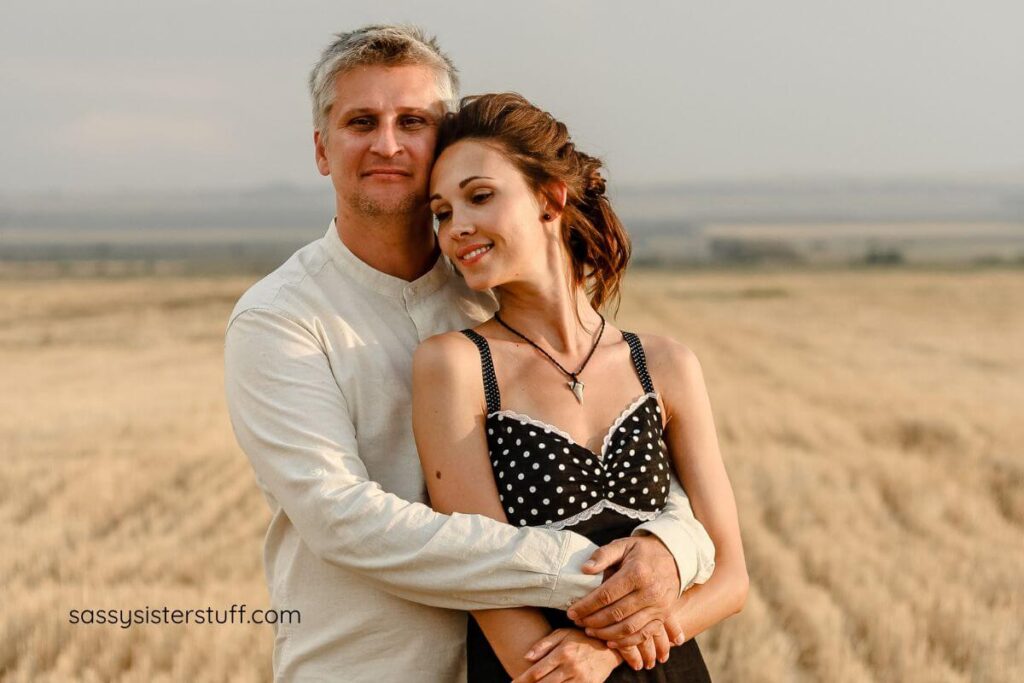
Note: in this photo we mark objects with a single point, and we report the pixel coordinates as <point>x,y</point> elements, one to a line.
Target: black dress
<point>546,479</point>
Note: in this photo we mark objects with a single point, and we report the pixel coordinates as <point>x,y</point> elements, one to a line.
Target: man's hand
<point>665,635</point>
<point>636,597</point>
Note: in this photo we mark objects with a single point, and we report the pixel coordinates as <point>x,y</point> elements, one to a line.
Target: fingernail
<point>588,564</point>
<point>680,639</point>
<point>613,645</point>
<point>589,632</point>
<point>571,614</point>
<point>530,654</point>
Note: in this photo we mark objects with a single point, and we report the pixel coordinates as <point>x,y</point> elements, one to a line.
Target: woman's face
<point>489,219</point>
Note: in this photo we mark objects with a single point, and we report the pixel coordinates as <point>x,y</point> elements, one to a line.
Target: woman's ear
<point>553,197</point>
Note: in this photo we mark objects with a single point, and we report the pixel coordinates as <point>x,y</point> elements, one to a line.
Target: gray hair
<point>383,45</point>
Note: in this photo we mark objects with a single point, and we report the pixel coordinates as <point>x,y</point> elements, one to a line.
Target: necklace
<point>575,385</point>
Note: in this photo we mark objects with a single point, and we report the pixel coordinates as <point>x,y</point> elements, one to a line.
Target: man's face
<point>380,139</point>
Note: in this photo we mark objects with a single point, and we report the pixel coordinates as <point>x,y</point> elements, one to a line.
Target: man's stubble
<point>371,207</point>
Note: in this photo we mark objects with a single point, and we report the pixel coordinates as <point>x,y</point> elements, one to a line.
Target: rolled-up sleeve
<point>292,420</point>
<point>684,536</point>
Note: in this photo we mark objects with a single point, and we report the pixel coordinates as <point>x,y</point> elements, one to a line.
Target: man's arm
<point>292,420</point>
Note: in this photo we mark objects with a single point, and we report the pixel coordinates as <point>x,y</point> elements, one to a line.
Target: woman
<point>546,414</point>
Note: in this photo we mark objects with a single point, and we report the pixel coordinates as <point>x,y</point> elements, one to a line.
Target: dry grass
<point>870,423</point>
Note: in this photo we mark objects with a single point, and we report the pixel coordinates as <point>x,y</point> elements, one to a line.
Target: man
<point>318,374</point>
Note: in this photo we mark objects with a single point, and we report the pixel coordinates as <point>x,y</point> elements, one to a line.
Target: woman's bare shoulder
<point>446,345</point>
<point>668,357</point>
<point>449,357</point>
<point>676,373</point>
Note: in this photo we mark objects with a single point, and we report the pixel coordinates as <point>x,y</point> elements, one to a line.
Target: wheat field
<point>871,424</point>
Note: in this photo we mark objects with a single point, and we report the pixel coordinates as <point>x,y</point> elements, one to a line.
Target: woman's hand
<point>567,654</point>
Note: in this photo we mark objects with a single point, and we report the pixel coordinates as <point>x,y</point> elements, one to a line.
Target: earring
<point>546,216</point>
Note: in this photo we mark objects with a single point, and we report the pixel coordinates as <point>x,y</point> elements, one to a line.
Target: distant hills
<point>288,206</point>
<point>669,223</point>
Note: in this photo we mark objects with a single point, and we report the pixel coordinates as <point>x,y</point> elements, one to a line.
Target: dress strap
<point>636,352</point>
<point>491,392</point>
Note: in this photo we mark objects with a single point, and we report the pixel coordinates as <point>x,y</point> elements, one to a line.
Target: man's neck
<point>401,246</point>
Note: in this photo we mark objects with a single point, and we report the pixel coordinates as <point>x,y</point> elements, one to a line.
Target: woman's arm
<point>449,426</point>
<point>693,444</point>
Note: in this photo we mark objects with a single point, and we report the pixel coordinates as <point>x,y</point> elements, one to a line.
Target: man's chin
<point>388,204</point>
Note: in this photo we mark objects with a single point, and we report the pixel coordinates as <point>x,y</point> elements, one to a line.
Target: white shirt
<point>318,372</point>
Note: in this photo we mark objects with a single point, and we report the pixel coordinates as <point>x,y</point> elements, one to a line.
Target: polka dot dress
<point>546,479</point>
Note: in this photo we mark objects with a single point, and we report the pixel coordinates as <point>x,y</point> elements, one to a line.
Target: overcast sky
<point>104,95</point>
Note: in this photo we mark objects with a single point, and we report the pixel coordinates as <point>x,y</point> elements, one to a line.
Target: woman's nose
<point>463,230</point>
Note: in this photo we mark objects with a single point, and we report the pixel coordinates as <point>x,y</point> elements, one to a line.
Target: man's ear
<point>321,154</point>
<point>553,197</point>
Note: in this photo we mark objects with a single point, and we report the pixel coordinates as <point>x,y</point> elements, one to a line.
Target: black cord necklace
<point>576,385</point>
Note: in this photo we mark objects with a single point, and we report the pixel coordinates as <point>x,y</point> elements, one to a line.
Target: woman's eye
<point>481,197</point>
<point>442,216</point>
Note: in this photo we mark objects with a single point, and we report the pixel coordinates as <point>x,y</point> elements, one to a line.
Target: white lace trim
<point>622,416</point>
<point>603,504</point>
<point>526,419</point>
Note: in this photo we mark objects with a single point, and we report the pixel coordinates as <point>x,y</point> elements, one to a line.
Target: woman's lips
<point>473,253</point>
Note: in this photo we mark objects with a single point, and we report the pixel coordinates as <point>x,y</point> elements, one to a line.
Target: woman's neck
<point>555,315</point>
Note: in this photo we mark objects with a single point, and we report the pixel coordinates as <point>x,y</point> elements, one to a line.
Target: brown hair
<point>540,147</point>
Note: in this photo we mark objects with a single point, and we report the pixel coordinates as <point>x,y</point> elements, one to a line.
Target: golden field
<point>872,424</point>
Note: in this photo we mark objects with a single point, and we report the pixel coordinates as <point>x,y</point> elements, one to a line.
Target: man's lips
<point>387,173</point>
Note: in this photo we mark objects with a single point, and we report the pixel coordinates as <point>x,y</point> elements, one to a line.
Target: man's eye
<point>413,122</point>
<point>481,197</point>
<point>361,122</point>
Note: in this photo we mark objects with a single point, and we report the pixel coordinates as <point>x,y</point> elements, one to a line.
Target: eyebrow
<point>471,178</point>
<point>369,111</point>
<point>463,184</point>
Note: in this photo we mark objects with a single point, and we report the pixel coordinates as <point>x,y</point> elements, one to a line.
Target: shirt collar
<point>382,283</point>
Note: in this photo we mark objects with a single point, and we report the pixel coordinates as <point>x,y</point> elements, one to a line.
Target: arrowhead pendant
<point>577,389</point>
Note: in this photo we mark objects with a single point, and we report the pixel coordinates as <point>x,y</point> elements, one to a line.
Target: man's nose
<point>386,142</point>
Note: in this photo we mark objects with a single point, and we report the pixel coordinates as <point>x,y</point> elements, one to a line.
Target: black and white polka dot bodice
<point>546,479</point>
